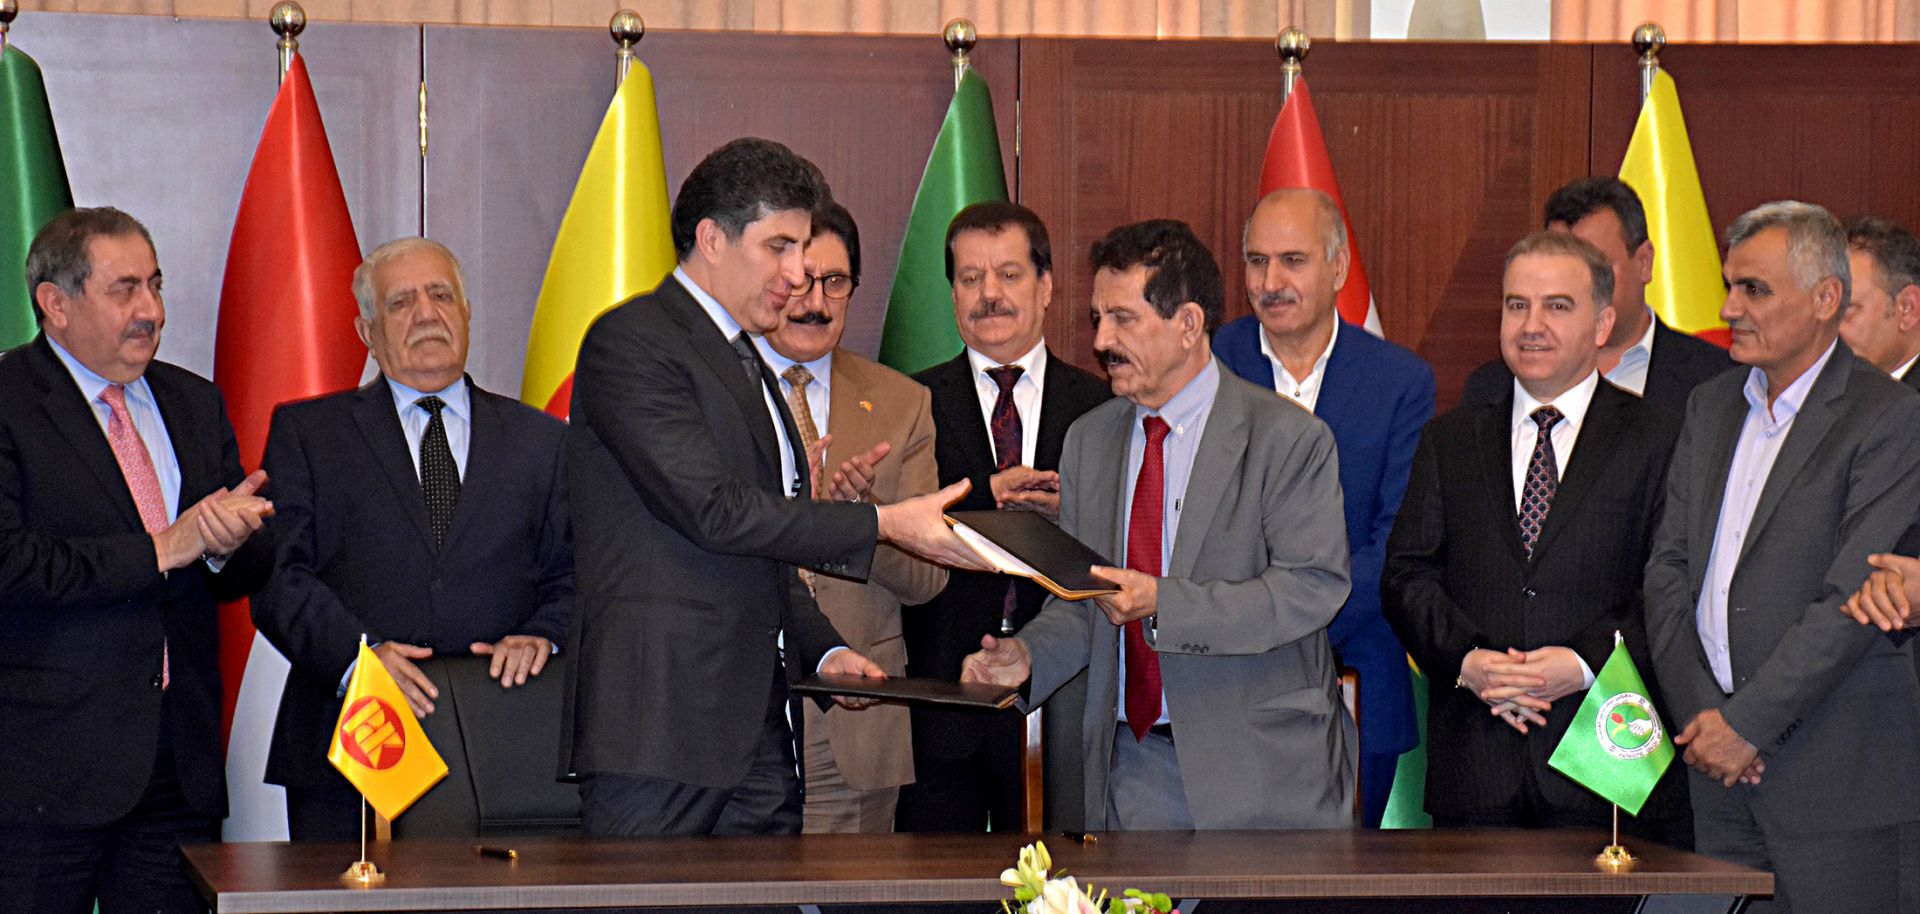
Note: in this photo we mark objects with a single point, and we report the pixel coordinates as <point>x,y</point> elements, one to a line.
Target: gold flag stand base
<point>1614,859</point>
<point>363,873</point>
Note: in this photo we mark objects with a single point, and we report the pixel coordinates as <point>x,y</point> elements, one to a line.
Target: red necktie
<point>1143,555</point>
<point>137,466</point>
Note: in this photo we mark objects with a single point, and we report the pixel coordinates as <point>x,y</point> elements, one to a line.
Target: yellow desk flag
<point>378,744</point>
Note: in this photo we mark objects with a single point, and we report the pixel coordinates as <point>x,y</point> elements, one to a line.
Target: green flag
<point>963,169</point>
<point>1407,801</point>
<point>1616,746</point>
<point>33,186</point>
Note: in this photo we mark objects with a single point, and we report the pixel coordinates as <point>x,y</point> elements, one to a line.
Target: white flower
<point>1062,896</point>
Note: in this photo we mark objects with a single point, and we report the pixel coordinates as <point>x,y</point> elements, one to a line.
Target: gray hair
<point>363,291</point>
<point>1567,244</point>
<point>1333,225</point>
<point>1816,243</point>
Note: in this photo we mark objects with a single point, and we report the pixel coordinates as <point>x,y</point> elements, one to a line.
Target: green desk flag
<point>1616,746</point>
<point>33,186</point>
<point>963,169</point>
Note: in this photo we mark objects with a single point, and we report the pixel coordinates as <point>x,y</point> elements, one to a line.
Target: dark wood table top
<point>818,869</point>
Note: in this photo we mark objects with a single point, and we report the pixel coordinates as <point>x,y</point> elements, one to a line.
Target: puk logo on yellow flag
<point>378,744</point>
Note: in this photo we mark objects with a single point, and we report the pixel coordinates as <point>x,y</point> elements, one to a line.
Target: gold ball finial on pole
<point>627,28</point>
<point>9,9</point>
<point>960,37</point>
<point>1649,39</point>
<point>288,20</point>
<point>1292,44</point>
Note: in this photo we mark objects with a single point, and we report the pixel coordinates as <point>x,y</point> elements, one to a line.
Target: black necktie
<point>1004,425</point>
<point>749,356</point>
<point>439,475</point>
<point>1543,478</point>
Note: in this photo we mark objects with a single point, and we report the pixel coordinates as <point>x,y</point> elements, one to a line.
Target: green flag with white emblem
<point>1616,746</point>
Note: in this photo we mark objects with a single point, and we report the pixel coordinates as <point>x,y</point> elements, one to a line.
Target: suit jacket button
<point>157,683</point>
<point>1529,592</point>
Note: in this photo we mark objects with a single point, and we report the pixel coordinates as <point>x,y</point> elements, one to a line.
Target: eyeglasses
<point>837,286</point>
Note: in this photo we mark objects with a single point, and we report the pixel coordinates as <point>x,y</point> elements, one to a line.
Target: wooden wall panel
<point>514,112</point>
<point>1837,125</point>
<point>1443,150</point>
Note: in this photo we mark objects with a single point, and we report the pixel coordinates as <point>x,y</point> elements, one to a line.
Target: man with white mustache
<point>429,516</point>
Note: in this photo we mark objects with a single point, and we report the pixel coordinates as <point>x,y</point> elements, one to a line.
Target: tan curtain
<point>1757,21</point>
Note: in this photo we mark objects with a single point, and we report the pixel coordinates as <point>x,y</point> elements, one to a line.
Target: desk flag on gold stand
<point>1616,745</point>
<point>379,746</point>
<point>615,241</point>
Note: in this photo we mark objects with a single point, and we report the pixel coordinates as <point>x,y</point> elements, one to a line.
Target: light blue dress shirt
<point>146,420</point>
<point>457,417</point>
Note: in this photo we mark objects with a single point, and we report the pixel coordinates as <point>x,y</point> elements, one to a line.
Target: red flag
<point>286,312</point>
<point>1297,157</point>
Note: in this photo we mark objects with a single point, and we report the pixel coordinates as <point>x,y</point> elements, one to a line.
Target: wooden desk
<point>894,869</point>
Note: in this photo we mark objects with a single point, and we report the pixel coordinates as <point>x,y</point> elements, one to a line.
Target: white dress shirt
<point>1900,374</point>
<point>1630,374</point>
<point>1186,416</point>
<point>730,328</point>
<point>1761,436</point>
<point>145,411</point>
<point>1026,394</point>
<point>1304,391</point>
<point>1572,404</point>
<point>457,418</point>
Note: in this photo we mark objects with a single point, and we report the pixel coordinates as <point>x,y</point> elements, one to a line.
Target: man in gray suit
<point>1212,692</point>
<point>1802,727</point>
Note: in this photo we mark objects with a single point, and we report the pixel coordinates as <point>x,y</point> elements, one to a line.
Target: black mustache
<point>816,318</point>
<point>990,309</point>
<point>1279,298</point>
<point>140,330</point>
<point>1109,358</point>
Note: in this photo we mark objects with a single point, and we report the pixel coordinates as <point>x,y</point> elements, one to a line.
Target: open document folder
<point>1024,543</point>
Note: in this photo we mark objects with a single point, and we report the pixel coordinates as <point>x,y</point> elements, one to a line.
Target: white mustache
<point>1279,298</point>
<point>140,330</point>
<point>430,333</point>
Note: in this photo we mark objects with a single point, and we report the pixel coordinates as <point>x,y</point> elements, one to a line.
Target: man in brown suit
<point>855,761</point>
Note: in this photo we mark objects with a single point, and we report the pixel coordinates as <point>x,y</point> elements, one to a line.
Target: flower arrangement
<point>1037,891</point>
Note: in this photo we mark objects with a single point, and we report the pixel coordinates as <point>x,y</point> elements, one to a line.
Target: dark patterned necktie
<point>1007,440</point>
<point>439,475</point>
<point>1143,555</point>
<point>749,356</point>
<point>1543,477</point>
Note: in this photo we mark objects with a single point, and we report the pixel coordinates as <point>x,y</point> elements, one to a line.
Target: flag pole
<point>1648,40</point>
<point>361,872</point>
<point>288,20</point>
<point>1614,858</point>
<point>1292,46</point>
<point>627,28</point>
<point>8,10</point>
<point>960,36</point>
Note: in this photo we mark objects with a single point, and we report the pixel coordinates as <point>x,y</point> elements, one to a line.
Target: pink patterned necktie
<point>137,466</point>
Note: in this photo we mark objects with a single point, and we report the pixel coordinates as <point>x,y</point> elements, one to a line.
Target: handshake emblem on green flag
<point>1616,746</point>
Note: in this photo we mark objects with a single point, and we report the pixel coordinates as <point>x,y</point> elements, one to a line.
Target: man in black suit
<point>1643,356</point>
<point>1882,321</point>
<point>1001,410</point>
<point>428,516</point>
<point>1507,585</point>
<point>118,535</point>
<point>691,506</point>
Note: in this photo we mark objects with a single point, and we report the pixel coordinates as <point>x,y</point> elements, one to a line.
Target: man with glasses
<point>844,405</point>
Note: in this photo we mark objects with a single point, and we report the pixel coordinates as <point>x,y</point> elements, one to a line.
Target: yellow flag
<point>615,242</point>
<point>1687,289</point>
<point>379,745</point>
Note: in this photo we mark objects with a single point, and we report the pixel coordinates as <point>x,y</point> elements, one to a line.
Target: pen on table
<point>498,853</point>
<point>1080,836</point>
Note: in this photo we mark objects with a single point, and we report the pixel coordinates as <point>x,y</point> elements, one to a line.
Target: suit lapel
<point>1810,427</point>
<point>718,353</point>
<point>1339,388</point>
<point>379,425</point>
<point>1493,441</point>
<point>1599,436</point>
<point>1724,433</point>
<point>75,420</point>
<point>194,474</point>
<point>1108,474</point>
<point>1222,445</point>
<point>963,421</point>
<point>1055,415</point>
<point>853,426</point>
<point>479,486</point>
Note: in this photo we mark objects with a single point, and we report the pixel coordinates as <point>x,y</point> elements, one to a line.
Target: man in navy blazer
<point>366,548</point>
<point>1375,396</point>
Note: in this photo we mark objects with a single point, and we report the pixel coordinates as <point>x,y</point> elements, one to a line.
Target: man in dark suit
<point>428,516</point>
<point>1212,697</point>
<point>1375,396</point>
<point>1802,727</point>
<point>691,506</point>
<point>118,535</point>
<point>1001,408</point>
<point>1508,578</point>
<point>1882,321</point>
<point>1644,356</point>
